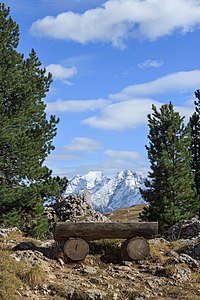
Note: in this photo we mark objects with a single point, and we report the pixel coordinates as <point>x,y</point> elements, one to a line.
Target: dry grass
<point>34,276</point>
<point>180,293</point>
<point>58,290</point>
<point>196,277</point>
<point>15,275</point>
<point>10,281</point>
<point>9,284</point>
<point>159,252</point>
<point>106,246</point>
<point>15,235</point>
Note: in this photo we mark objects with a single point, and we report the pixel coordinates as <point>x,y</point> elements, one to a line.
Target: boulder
<point>184,230</point>
<point>184,259</point>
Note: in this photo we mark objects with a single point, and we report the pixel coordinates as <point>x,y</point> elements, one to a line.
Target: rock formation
<point>73,208</point>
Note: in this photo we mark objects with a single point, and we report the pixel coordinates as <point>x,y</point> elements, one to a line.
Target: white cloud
<point>175,82</point>
<point>116,20</point>
<point>185,111</point>
<point>61,73</point>
<point>122,115</point>
<point>76,105</point>
<point>132,107</point>
<point>83,144</point>
<point>129,114</point>
<point>150,63</point>
<point>117,154</point>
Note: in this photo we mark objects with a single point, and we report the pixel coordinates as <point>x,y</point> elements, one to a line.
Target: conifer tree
<point>168,189</point>
<point>25,133</point>
<point>195,144</point>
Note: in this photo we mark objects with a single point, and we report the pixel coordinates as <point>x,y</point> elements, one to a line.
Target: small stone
<point>151,284</point>
<point>130,277</point>
<point>114,296</point>
<point>61,262</point>
<point>128,263</point>
<point>185,258</point>
<point>95,280</point>
<point>3,235</point>
<point>89,270</point>
<point>123,268</point>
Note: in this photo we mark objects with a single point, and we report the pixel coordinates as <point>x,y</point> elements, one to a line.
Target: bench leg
<point>76,249</point>
<point>135,249</point>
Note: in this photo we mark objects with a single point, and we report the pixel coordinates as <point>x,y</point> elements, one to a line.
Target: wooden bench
<point>76,235</point>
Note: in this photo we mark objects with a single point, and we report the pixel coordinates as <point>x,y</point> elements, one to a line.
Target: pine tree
<point>25,133</point>
<point>195,144</point>
<point>168,188</point>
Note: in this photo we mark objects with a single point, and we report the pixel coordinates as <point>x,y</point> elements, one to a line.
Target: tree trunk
<point>96,231</point>
<point>135,249</point>
<point>76,249</point>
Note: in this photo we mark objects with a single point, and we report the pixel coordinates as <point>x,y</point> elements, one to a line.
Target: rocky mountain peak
<point>107,194</point>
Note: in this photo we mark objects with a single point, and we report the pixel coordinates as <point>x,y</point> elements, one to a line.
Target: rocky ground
<point>36,269</point>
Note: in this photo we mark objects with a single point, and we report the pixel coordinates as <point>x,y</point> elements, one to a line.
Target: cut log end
<point>76,249</point>
<point>135,249</point>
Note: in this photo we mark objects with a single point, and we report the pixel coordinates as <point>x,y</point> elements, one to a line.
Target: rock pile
<point>73,208</point>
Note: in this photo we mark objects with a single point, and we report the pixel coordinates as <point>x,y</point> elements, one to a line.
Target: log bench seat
<point>76,235</point>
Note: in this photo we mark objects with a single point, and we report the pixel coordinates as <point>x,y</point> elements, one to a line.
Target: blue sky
<point>110,60</point>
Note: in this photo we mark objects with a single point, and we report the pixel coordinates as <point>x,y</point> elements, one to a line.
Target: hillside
<point>126,214</point>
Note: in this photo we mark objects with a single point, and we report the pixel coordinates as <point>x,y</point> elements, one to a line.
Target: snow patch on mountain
<point>107,194</point>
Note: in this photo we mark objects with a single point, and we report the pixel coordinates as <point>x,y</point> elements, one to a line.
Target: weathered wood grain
<point>76,249</point>
<point>96,231</point>
<point>136,248</point>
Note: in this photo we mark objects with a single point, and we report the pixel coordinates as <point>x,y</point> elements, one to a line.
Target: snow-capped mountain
<point>107,194</point>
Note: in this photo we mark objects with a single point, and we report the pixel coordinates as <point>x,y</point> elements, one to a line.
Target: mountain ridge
<point>107,194</point>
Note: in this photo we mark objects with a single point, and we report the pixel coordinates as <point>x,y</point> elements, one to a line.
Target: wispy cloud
<point>133,103</point>
<point>83,144</point>
<point>129,107</point>
<point>116,20</point>
<point>119,154</point>
<point>185,111</point>
<point>122,115</point>
<point>76,105</point>
<point>129,114</point>
<point>61,155</point>
<point>175,82</point>
<point>108,166</point>
<point>150,63</point>
<point>62,159</point>
<point>62,73</point>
